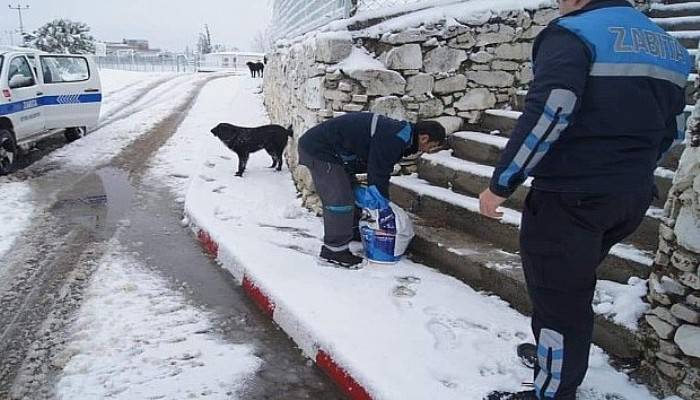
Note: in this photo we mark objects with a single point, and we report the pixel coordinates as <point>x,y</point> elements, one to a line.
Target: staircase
<point>681,19</point>
<point>453,237</point>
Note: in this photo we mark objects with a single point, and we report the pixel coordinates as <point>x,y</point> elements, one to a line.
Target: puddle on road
<point>97,202</point>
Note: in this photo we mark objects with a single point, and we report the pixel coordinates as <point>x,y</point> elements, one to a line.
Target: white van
<point>42,94</point>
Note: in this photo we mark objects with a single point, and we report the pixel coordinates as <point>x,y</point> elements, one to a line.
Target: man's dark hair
<point>433,129</point>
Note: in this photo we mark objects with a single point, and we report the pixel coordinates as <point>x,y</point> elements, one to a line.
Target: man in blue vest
<point>605,105</point>
<point>351,144</point>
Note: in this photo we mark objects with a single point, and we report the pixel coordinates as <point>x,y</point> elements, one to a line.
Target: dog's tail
<point>290,131</point>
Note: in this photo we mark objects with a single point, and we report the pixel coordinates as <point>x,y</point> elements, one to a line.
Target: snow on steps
<point>449,209</point>
<point>659,10</point>
<point>488,268</point>
<point>470,178</point>
<point>688,39</point>
<point>442,170</point>
<point>684,23</point>
<point>485,148</point>
<point>500,121</point>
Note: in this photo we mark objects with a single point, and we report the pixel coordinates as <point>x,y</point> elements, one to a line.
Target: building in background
<point>226,60</point>
<point>131,46</point>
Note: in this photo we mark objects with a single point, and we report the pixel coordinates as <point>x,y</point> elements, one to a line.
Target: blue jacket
<point>348,140</point>
<point>606,102</point>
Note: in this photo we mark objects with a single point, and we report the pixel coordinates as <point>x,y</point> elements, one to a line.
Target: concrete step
<point>518,100</point>
<point>459,212</point>
<point>501,122</point>
<point>689,39</point>
<point>470,179</point>
<point>681,23</point>
<point>673,157</point>
<point>485,267</point>
<point>678,2</point>
<point>478,147</point>
<point>484,148</point>
<point>466,177</point>
<point>674,10</point>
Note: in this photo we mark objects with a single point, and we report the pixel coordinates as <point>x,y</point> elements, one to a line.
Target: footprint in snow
<point>222,216</point>
<point>592,394</point>
<point>219,189</point>
<point>209,164</point>
<point>408,280</point>
<point>448,383</point>
<point>403,291</point>
<point>445,337</point>
<point>206,178</point>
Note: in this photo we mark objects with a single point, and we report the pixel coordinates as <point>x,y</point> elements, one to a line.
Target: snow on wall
<point>449,63</point>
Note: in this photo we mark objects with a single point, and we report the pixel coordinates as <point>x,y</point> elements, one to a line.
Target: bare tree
<point>204,41</point>
<point>262,42</point>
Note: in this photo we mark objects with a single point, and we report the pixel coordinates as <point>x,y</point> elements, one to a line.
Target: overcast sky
<point>168,24</point>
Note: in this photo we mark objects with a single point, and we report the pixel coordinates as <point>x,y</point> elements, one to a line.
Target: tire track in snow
<point>45,274</point>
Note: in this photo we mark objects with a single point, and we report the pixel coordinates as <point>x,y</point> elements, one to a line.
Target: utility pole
<point>19,9</point>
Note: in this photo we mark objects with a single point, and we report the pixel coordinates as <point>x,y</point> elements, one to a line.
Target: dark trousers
<point>564,237</point>
<point>334,186</point>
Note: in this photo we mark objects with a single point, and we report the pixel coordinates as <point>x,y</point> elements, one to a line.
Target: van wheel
<point>73,134</point>
<point>8,151</point>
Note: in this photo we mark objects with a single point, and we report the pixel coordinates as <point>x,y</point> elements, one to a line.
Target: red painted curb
<point>258,297</point>
<point>347,384</point>
<point>208,243</point>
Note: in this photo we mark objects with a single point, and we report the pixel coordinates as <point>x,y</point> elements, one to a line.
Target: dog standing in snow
<point>244,141</point>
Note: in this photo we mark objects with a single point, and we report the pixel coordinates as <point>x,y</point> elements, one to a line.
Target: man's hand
<point>489,203</point>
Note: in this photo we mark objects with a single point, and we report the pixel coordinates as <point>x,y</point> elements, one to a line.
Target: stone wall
<point>449,70</point>
<point>672,328</point>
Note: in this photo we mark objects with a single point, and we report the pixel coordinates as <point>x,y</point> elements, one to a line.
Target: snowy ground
<point>135,338</point>
<point>404,332</point>
<point>16,208</point>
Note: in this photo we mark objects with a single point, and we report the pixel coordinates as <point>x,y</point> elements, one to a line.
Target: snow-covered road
<point>104,294</point>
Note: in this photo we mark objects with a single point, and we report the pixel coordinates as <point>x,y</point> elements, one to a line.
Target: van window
<point>60,69</point>
<point>20,74</point>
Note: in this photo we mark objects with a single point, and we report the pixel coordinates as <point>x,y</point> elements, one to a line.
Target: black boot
<point>528,354</point>
<point>525,395</point>
<point>343,258</point>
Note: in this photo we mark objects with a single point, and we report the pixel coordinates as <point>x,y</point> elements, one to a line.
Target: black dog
<point>256,69</point>
<point>243,141</point>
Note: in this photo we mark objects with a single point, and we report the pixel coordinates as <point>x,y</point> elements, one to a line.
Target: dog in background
<point>244,141</point>
<point>256,69</point>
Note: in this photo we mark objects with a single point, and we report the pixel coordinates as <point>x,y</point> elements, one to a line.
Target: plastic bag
<point>386,233</point>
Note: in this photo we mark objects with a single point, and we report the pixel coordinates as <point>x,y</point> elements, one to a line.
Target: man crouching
<point>351,144</point>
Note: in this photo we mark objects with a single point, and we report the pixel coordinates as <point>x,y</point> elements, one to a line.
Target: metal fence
<point>371,5</point>
<point>293,17</point>
<point>175,63</point>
